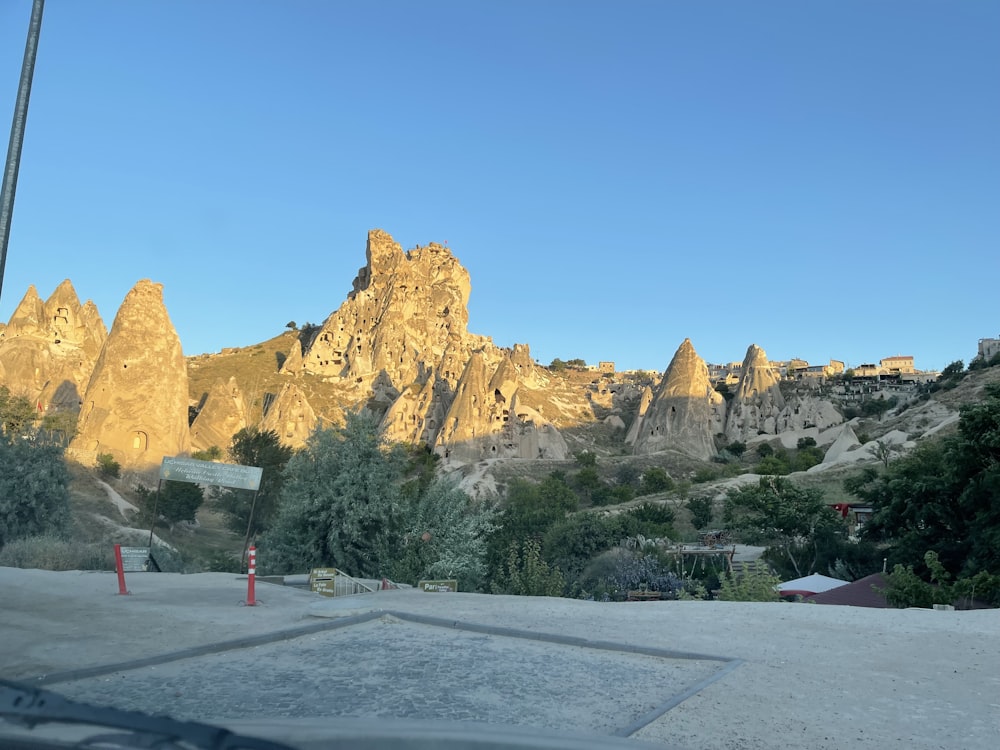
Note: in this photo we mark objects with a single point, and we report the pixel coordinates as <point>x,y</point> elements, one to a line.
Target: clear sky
<point>818,178</point>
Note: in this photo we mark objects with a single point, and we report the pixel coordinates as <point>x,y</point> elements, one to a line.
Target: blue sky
<point>821,179</point>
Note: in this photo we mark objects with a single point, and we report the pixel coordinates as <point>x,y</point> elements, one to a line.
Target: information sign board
<point>208,472</point>
<point>138,560</point>
<point>323,581</point>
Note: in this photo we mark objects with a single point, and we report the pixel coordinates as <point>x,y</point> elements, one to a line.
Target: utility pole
<point>17,132</point>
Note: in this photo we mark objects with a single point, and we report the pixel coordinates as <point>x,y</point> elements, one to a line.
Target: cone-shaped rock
<point>757,401</point>
<point>49,349</point>
<point>291,417</point>
<point>680,416</point>
<point>222,416</point>
<point>136,404</point>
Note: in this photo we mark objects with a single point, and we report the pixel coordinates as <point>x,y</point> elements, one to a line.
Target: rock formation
<point>680,415</point>
<point>405,311</point>
<point>757,402</point>
<point>488,419</point>
<point>223,414</point>
<point>291,417</point>
<point>136,403</point>
<point>48,350</point>
<point>400,343</point>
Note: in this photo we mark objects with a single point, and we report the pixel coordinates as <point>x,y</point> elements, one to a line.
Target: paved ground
<point>761,676</point>
<point>390,668</point>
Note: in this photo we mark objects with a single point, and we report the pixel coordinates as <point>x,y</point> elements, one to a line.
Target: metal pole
<point>246,540</point>
<point>17,132</point>
<point>152,523</point>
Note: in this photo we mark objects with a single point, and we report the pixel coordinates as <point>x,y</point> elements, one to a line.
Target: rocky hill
<point>399,346</point>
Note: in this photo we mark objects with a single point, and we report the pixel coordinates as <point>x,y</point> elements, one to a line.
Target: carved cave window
<point>140,441</point>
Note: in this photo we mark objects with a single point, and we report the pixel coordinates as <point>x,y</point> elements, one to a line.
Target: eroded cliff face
<point>682,413</point>
<point>136,403</point>
<point>290,416</point>
<point>400,343</point>
<point>48,349</point>
<point>406,310</point>
<point>223,414</point>
<point>490,416</point>
<point>759,407</point>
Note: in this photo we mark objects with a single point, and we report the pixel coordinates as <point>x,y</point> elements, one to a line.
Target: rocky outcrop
<point>223,414</point>
<point>680,415</point>
<point>48,349</point>
<point>404,312</point>
<point>757,401</point>
<point>290,416</point>
<point>400,344</point>
<point>136,403</point>
<point>487,419</point>
<point>644,402</point>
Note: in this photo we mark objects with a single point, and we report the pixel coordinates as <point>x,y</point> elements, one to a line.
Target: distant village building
<point>898,365</point>
<point>606,367</point>
<point>989,348</point>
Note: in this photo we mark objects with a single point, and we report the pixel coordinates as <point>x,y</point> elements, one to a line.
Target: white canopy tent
<point>808,585</point>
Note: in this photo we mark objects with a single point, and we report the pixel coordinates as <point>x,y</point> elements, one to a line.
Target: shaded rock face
<point>290,416</point>
<point>48,349</point>
<point>136,404</point>
<point>680,414</point>
<point>223,414</point>
<point>487,418</point>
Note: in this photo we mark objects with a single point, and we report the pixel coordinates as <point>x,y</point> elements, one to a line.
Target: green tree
<point>525,573</point>
<point>941,497</point>
<point>173,502</point>
<point>528,510</point>
<point>737,448</point>
<point>953,370</point>
<point>774,465</point>
<point>108,467</point>
<point>444,535</point>
<point>17,413</point>
<point>792,521</point>
<point>34,490</point>
<point>263,449</point>
<point>340,503</point>
<point>587,481</point>
<point>655,520</point>
<point>701,511</point>
<point>884,451</point>
<point>655,479</point>
<point>572,542</point>
<point>751,586</point>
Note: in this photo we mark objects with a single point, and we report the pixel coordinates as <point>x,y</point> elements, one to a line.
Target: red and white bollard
<point>122,591</point>
<point>251,576</point>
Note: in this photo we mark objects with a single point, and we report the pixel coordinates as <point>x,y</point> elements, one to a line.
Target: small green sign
<point>445,586</point>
